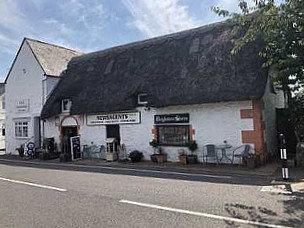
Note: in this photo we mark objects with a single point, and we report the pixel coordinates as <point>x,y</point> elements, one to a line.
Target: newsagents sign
<point>172,118</point>
<point>114,118</point>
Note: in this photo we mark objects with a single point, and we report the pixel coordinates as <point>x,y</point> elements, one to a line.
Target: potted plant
<point>161,157</point>
<point>136,156</point>
<point>182,157</point>
<point>154,144</point>
<point>192,158</point>
<point>21,150</point>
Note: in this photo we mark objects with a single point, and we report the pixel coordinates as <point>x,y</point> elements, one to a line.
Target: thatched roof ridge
<point>189,67</point>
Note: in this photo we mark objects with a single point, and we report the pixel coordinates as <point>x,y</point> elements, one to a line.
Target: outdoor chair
<point>211,152</point>
<point>241,152</point>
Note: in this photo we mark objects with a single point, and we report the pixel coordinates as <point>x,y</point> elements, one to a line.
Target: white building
<point>180,87</point>
<point>2,116</point>
<point>34,73</point>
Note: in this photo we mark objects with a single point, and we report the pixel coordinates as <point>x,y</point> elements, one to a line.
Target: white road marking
<point>202,214</point>
<point>280,189</point>
<point>123,169</point>
<point>33,185</point>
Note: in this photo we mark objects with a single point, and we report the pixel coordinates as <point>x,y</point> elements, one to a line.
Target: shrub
<point>192,146</point>
<point>136,156</point>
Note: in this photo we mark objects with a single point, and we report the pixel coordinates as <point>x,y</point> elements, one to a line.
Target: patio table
<point>223,148</point>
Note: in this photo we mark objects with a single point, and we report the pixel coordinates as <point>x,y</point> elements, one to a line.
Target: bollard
<point>284,157</point>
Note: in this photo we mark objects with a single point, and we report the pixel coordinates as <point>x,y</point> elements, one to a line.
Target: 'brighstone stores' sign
<point>171,118</point>
<point>114,118</point>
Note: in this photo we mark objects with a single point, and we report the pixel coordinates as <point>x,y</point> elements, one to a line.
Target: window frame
<point>139,102</point>
<point>172,126</point>
<point>22,126</point>
<point>62,106</point>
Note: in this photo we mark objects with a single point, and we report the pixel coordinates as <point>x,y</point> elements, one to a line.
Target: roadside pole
<point>284,157</point>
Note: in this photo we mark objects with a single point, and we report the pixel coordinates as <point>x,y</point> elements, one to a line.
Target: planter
<point>161,158</point>
<point>153,158</point>
<point>191,159</point>
<point>250,162</point>
<point>183,159</point>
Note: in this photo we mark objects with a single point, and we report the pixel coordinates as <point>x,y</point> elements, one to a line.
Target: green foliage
<point>297,115</point>
<point>154,143</point>
<point>281,28</point>
<point>192,146</point>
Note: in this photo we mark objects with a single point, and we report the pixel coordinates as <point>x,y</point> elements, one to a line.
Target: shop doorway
<point>66,134</point>
<point>113,132</point>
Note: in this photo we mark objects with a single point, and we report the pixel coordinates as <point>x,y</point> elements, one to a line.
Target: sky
<point>92,25</point>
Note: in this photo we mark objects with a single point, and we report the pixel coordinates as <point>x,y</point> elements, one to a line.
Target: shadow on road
<point>154,173</point>
<point>293,211</point>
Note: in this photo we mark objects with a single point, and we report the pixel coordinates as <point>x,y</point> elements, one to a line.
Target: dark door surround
<point>66,134</point>
<point>113,131</point>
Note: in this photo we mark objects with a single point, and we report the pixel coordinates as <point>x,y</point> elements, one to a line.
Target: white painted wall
<point>24,82</point>
<point>213,123</point>
<point>2,122</point>
<point>271,101</point>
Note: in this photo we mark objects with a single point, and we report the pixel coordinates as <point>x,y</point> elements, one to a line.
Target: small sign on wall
<point>114,118</point>
<point>172,118</point>
<point>23,105</point>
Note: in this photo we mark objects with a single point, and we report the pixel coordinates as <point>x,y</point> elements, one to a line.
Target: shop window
<point>142,99</point>
<point>21,129</point>
<point>66,105</point>
<point>173,135</point>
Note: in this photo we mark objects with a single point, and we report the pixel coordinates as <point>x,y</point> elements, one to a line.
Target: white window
<point>21,129</point>
<point>66,105</point>
<point>142,99</point>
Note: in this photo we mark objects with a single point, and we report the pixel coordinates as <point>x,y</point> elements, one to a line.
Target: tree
<point>281,28</point>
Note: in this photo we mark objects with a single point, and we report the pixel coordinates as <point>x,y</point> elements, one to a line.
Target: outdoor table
<point>223,148</point>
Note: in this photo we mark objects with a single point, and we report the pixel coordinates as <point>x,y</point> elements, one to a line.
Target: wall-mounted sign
<point>23,105</point>
<point>114,118</point>
<point>172,118</point>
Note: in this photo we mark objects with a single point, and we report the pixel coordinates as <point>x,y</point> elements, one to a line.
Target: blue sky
<point>91,25</point>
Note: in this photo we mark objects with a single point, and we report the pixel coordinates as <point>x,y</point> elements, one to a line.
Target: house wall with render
<point>211,123</point>
<point>24,83</point>
<point>2,122</point>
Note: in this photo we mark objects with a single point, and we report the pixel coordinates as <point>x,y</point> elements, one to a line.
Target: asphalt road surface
<point>59,196</point>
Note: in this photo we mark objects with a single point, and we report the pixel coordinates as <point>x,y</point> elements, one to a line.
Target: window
<point>21,129</point>
<point>142,99</point>
<point>173,135</point>
<point>3,102</point>
<point>66,105</point>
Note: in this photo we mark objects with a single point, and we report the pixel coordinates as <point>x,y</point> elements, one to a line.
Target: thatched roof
<point>189,67</point>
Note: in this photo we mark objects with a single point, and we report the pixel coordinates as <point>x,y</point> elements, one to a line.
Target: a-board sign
<point>75,147</point>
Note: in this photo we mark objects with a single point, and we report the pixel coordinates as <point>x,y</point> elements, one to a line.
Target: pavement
<point>46,194</point>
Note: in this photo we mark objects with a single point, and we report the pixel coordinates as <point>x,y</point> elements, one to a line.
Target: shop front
<point>172,129</point>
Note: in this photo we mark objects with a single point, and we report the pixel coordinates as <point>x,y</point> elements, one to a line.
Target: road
<point>58,196</point>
